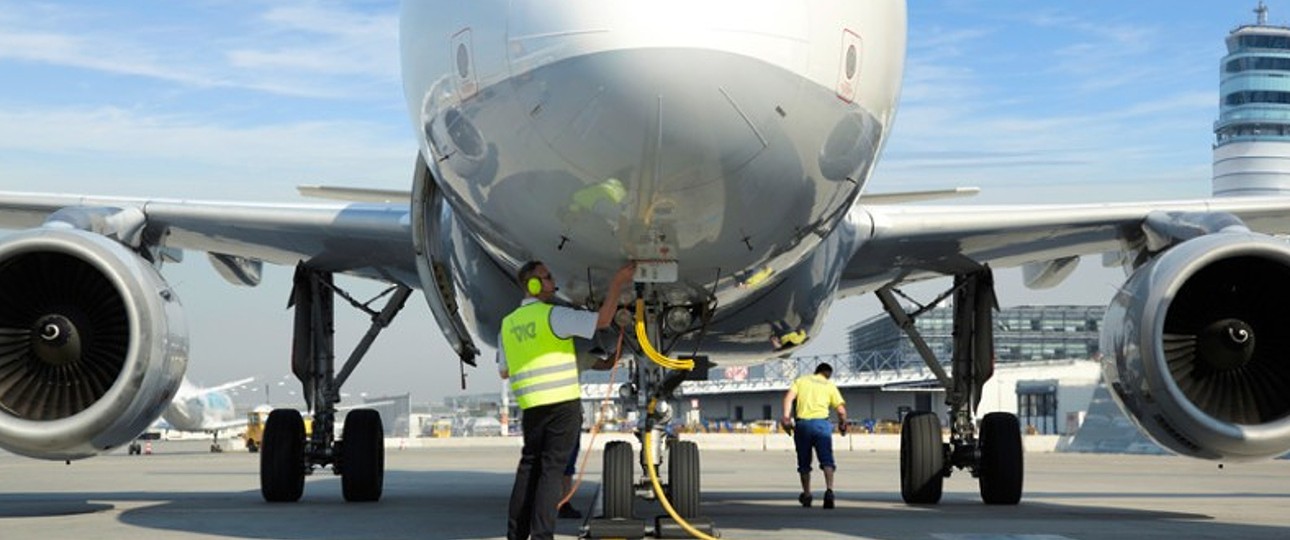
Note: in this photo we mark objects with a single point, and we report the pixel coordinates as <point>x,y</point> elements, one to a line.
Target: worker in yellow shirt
<point>815,396</point>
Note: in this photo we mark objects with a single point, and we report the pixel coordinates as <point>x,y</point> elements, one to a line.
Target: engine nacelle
<point>92,344</point>
<point>1196,349</point>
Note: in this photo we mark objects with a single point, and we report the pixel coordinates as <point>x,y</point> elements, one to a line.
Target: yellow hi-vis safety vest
<point>543,367</point>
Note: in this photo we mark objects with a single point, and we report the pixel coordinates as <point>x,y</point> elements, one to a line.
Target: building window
<point>1265,42</point>
<point>1037,406</point>
<point>1256,96</point>
<point>1267,63</point>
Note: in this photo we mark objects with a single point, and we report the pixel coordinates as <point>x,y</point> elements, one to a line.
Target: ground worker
<point>586,361</point>
<point>566,510</point>
<point>815,396</point>
<point>536,346</point>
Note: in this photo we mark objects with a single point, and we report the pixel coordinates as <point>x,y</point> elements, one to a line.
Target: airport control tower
<point>1252,134</point>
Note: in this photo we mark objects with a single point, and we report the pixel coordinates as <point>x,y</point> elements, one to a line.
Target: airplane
<point>204,410</point>
<point>725,147</point>
<point>210,410</point>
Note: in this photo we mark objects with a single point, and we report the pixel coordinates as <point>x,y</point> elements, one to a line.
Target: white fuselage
<point>731,137</point>
<point>196,409</point>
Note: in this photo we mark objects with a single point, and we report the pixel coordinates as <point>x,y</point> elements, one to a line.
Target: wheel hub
<point>55,340</point>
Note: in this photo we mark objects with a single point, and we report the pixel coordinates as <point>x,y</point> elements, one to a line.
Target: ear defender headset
<point>533,283</point>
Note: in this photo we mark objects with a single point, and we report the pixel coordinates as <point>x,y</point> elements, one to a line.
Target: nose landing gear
<point>681,496</point>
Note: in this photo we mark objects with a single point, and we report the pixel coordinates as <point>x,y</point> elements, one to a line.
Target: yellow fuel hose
<point>658,490</point>
<point>650,352</point>
<point>648,446</point>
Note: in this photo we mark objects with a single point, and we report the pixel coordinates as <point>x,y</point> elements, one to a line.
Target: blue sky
<point>244,100</point>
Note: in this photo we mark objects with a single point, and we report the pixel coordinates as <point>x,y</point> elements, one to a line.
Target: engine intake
<point>1195,348</point>
<point>92,344</point>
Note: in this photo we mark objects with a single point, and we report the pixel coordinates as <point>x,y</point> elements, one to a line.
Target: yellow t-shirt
<point>816,396</point>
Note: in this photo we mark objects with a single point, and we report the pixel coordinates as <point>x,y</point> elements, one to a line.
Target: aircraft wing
<point>221,426</point>
<point>905,243</point>
<point>227,385</point>
<point>371,240</point>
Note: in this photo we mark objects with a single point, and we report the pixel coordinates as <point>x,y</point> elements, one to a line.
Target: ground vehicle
<point>136,447</point>
<point>441,428</point>
<point>255,421</point>
<point>255,428</point>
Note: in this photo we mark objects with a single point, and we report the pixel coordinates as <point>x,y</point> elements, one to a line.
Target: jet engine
<point>92,344</point>
<point>1197,349</point>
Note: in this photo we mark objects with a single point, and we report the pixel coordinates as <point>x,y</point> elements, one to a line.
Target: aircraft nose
<point>635,92</point>
<point>609,113</point>
<point>773,32</point>
<point>776,32</point>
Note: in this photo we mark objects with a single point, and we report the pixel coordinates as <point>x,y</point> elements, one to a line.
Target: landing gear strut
<point>215,445</point>
<point>993,453</point>
<point>287,453</point>
<point>682,488</point>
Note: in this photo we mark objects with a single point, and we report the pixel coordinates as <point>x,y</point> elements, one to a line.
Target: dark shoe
<point>828,499</point>
<point>805,499</point>
<point>567,511</point>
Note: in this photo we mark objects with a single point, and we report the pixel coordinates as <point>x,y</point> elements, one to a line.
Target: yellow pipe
<point>658,491</point>
<point>648,444</point>
<point>650,352</point>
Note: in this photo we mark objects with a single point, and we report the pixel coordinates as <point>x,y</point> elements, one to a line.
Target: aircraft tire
<point>618,491</point>
<point>362,473</point>
<point>683,478</point>
<point>282,461</point>
<point>922,459</point>
<point>1001,468</point>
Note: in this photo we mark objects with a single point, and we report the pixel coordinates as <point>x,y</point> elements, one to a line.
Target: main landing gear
<point>991,451</point>
<point>650,390</point>
<point>287,454</point>
<point>215,445</point>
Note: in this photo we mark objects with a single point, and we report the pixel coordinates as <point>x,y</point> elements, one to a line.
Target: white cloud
<point>89,53</point>
<point>325,41</point>
<point>63,147</point>
<point>1099,111</point>
<point>305,50</point>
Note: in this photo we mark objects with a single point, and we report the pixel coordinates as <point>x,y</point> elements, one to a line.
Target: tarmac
<point>458,489</point>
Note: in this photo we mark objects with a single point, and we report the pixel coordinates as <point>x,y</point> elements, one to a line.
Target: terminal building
<point>1046,373</point>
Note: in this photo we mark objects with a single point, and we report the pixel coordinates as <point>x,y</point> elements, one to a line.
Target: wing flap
<point>902,197</point>
<point>353,194</point>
